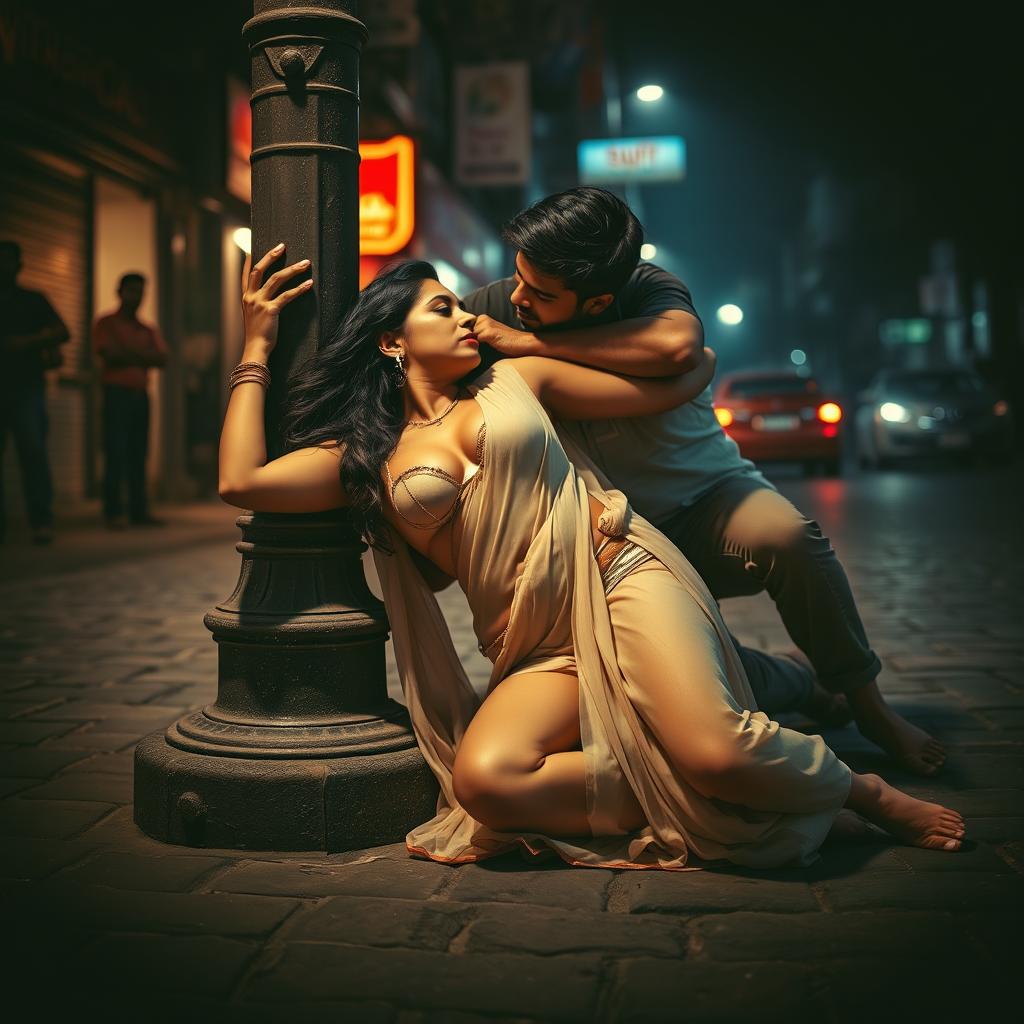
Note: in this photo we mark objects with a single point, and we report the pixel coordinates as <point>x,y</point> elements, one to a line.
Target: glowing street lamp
<point>730,314</point>
<point>242,237</point>
<point>650,93</point>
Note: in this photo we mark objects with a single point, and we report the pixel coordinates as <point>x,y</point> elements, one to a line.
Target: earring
<point>400,376</point>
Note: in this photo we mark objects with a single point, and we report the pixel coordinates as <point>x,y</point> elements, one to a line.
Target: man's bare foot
<point>908,745</point>
<point>829,710</point>
<point>913,821</point>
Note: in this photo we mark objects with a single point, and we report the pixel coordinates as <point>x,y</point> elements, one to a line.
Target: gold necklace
<point>430,423</point>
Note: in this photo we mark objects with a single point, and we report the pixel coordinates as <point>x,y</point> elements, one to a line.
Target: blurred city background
<point>838,187</point>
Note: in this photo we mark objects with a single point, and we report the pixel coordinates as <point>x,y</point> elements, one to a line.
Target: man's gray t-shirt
<point>664,462</point>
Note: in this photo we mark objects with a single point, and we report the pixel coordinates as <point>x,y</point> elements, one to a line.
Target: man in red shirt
<point>127,348</point>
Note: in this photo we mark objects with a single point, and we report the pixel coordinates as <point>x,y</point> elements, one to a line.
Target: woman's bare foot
<point>913,821</point>
<point>910,746</point>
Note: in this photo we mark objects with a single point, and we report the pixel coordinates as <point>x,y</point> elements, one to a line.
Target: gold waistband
<point>608,551</point>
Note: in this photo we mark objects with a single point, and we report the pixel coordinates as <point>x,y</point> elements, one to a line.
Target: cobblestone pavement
<point>103,916</point>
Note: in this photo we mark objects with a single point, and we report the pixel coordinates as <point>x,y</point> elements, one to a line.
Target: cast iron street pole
<point>303,749</point>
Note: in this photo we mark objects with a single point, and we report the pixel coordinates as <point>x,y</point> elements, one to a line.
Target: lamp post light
<point>302,749</point>
<point>650,93</point>
<point>730,314</point>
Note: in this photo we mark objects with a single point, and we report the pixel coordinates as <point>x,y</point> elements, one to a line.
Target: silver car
<point>923,412</point>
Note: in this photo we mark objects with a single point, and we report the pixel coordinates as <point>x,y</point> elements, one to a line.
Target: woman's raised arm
<point>576,392</point>
<point>301,481</point>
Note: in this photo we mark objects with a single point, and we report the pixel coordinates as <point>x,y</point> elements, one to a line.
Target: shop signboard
<point>492,123</point>
<point>387,214</point>
<point>642,160</point>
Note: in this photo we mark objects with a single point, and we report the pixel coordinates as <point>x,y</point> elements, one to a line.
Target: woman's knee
<point>714,765</point>
<point>484,783</point>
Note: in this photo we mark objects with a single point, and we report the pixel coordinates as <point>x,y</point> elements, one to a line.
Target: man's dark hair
<point>6,245</point>
<point>586,237</point>
<point>132,277</point>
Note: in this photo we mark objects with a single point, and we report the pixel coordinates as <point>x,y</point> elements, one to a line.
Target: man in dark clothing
<point>127,348</point>
<point>580,293</point>
<point>31,334</point>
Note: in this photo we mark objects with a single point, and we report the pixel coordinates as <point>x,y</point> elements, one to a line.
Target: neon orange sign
<point>386,193</point>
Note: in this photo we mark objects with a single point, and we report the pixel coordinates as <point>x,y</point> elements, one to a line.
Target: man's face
<point>541,300</point>
<point>131,295</point>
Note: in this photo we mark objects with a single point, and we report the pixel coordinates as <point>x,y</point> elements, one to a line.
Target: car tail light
<point>829,412</point>
<point>724,416</point>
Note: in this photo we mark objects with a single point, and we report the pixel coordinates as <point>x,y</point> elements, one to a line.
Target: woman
<point>612,739</point>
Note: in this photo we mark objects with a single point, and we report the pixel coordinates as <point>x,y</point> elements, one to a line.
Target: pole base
<point>237,803</point>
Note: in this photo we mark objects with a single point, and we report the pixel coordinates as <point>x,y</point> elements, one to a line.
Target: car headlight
<point>893,412</point>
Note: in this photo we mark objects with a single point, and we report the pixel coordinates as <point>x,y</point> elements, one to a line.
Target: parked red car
<point>781,417</point>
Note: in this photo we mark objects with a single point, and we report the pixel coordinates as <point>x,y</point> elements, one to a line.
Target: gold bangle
<point>247,379</point>
<point>249,371</point>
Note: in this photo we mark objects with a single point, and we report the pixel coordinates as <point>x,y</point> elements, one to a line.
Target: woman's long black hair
<point>347,392</point>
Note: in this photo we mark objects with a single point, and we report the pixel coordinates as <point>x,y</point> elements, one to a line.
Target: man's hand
<point>506,340</point>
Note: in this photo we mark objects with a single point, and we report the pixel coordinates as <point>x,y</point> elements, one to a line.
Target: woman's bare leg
<point>672,664</point>
<point>519,766</point>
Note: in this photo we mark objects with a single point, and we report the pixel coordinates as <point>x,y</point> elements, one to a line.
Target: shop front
<point>105,169</point>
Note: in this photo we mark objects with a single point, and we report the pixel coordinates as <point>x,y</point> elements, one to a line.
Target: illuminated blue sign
<point>607,161</point>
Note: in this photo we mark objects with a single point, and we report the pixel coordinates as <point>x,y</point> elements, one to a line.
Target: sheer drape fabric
<point>523,541</point>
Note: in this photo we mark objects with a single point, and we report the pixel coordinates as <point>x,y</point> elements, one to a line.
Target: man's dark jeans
<point>125,440</point>
<point>744,537</point>
<point>23,414</point>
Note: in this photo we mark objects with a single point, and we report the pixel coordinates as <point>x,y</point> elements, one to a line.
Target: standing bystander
<point>31,334</point>
<point>127,348</point>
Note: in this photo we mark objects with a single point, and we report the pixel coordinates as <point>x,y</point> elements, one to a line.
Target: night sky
<point>915,112</point>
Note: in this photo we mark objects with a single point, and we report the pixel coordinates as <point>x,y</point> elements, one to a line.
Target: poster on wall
<point>492,123</point>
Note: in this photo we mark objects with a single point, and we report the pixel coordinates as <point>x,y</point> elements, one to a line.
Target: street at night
<point>95,659</point>
<point>511,511</point>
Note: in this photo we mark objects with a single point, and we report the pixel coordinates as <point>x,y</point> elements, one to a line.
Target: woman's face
<point>437,336</point>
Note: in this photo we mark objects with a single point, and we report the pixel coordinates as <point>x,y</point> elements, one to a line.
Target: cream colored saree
<point>523,541</point>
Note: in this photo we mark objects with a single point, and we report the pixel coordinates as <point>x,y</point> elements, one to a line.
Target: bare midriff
<point>497,631</point>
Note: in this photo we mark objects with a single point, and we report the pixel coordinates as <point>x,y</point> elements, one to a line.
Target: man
<point>580,293</point>
<point>31,334</point>
<point>127,348</point>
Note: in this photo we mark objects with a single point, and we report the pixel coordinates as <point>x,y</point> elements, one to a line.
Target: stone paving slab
<point>91,660</point>
<point>562,989</point>
<point>145,874</point>
<point>406,879</point>
<point>209,965</point>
